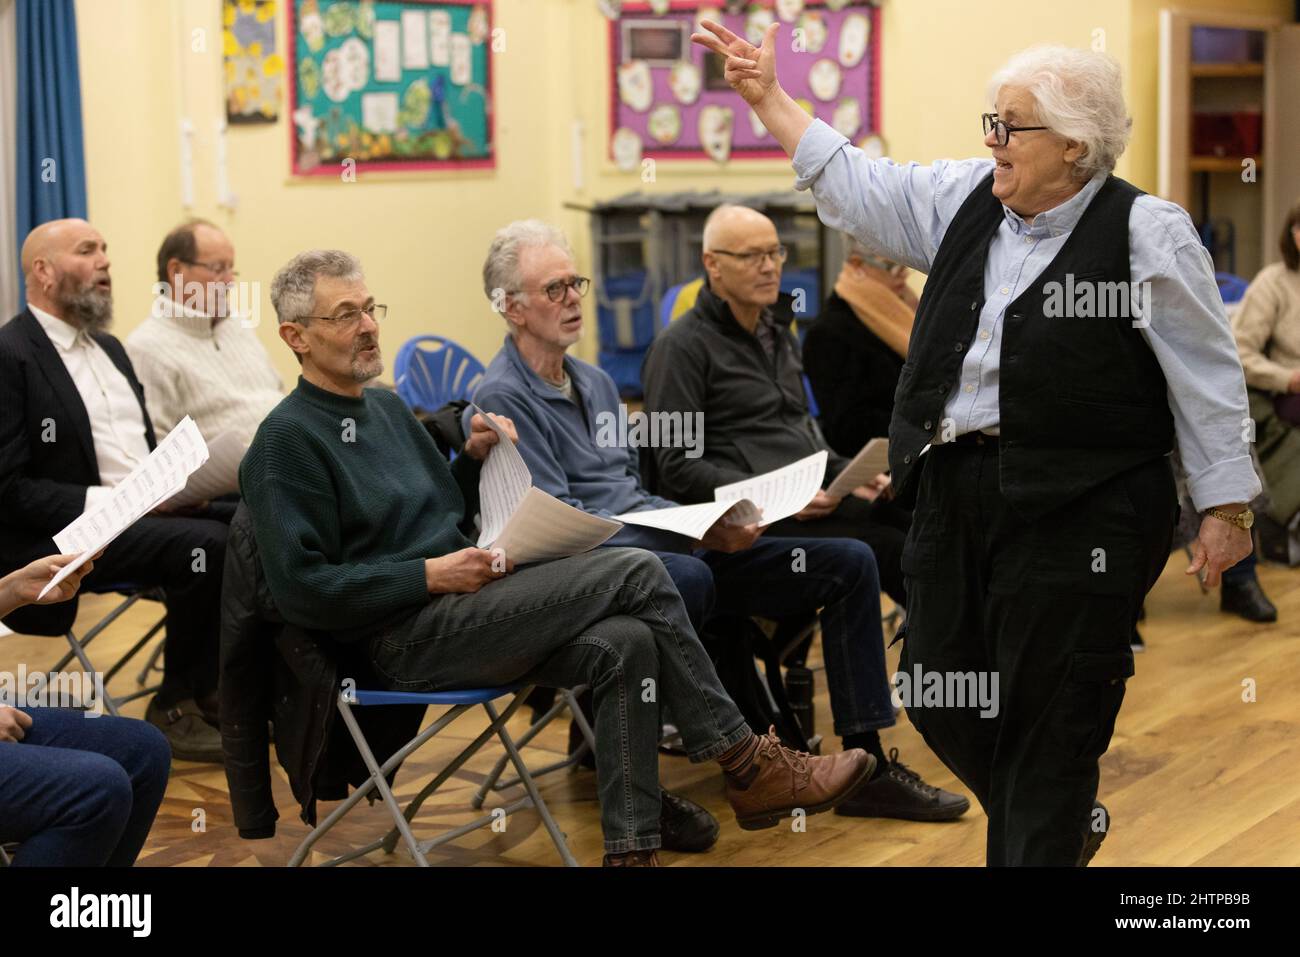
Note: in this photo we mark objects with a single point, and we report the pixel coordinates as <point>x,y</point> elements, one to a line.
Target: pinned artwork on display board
<point>635,87</point>
<point>612,9</point>
<point>824,80</point>
<point>848,117</point>
<point>813,25</point>
<point>393,85</point>
<point>873,146</point>
<point>684,81</point>
<point>627,149</point>
<point>715,131</point>
<point>254,68</point>
<point>854,36</point>
<point>789,10</point>
<point>672,95</point>
<point>665,123</point>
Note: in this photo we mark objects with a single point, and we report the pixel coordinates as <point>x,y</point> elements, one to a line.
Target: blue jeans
<point>787,577</point>
<point>81,791</point>
<point>609,618</point>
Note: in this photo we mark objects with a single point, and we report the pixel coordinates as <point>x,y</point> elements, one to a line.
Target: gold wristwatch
<point>1243,519</point>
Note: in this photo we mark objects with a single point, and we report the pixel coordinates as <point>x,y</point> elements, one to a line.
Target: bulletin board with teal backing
<point>391,85</point>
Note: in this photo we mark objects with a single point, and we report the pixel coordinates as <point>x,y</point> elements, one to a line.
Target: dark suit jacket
<point>47,455</point>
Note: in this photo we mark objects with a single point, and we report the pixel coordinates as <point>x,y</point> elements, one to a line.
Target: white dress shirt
<point>116,421</point>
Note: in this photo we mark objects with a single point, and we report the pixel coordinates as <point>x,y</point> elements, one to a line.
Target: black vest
<point>1080,400</point>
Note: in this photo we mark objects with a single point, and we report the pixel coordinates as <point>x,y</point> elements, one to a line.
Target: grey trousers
<point>610,618</point>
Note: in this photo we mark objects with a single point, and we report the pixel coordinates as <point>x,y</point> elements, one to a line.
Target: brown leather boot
<point>632,859</point>
<point>781,780</point>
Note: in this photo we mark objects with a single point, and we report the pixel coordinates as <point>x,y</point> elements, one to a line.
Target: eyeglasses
<point>350,318</point>
<point>217,269</point>
<point>556,291</point>
<point>778,255</point>
<point>1004,130</point>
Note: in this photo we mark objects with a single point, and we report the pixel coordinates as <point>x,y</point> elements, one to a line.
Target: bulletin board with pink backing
<point>668,98</point>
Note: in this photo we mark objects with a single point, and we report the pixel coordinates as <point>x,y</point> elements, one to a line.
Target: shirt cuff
<point>816,147</point>
<point>1224,483</point>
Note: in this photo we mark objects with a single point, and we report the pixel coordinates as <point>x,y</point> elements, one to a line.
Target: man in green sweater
<point>359,523</point>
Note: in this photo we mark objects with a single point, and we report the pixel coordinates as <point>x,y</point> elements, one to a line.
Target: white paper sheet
<point>415,40</point>
<point>542,528</point>
<point>782,492</point>
<point>388,45</point>
<point>218,476</point>
<point>439,37</point>
<point>529,525</point>
<point>694,521</point>
<point>461,64</point>
<point>150,483</point>
<point>866,465</point>
<point>379,112</point>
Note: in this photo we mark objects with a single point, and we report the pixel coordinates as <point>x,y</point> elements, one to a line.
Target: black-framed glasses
<point>375,311</point>
<point>778,255</point>
<point>556,291</point>
<point>217,269</point>
<point>1004,130</point>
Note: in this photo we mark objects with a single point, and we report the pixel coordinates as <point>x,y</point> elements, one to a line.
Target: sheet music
<point>694,521</point>
<point>150,483</point>
<point>542,528</point>
<point>782,492</point>
<point>502,484</point>
<point>218,476</point>
<point>866,465</point>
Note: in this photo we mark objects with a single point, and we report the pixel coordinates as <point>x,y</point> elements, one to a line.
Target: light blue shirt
<point>903,211</point>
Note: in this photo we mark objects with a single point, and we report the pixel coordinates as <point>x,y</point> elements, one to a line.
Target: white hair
<point>501,268</point>
<point>1077,94</point>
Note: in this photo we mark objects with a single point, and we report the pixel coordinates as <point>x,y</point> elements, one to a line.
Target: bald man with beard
<point>72,425</point>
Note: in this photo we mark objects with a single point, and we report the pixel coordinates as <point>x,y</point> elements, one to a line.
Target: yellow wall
<point>422,239</point>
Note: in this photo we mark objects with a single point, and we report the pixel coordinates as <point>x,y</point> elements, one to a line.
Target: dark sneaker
<point>684,825</point>
<point>1092,843</point>
<point>784,781</point>
<point>191,738</point>
<point>632,859</point>
<point>898,792</point>
<point>1247,600</point>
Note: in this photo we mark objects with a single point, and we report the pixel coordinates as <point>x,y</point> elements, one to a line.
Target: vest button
<point>928,425</point>
<point>956,347</point>
<point>907,460</point>
<point>974,305</point>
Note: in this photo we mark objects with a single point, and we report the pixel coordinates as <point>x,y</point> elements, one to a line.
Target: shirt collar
<point>536,382</point>
<point>1058,220</point>
<point>64,335</point>
<point>169,311</point>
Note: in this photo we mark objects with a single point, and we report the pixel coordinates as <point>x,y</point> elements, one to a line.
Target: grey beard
<point>88,309</point>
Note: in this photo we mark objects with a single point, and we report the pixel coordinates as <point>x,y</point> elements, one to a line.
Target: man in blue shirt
<point>562,408</point>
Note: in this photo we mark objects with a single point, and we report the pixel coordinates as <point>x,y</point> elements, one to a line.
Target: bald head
<point>729,227</point>
<point>743,256</point>
<point>65,266</point>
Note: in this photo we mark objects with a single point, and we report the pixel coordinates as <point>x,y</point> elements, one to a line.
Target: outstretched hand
<point>750,70</point>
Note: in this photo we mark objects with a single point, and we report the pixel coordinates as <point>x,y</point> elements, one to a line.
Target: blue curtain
<point>50,165</point>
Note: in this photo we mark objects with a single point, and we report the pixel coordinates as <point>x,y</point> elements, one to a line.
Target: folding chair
<point>77,646</point>
<point>460,702</point>
<point>432,371</point>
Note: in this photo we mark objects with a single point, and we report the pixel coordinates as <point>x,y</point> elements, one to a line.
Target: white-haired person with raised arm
<point>1070,333</point>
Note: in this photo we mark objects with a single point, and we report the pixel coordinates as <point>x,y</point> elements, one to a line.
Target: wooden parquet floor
<point>1194,775</point>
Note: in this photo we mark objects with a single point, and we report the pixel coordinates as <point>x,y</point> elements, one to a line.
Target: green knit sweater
<point>348,498</point>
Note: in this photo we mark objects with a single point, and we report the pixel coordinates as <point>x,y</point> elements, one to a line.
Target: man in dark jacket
<point>729,358</point>
<point>73,424</point>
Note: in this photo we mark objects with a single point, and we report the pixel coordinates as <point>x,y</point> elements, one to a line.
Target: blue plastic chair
<point>432,371</point>
<point>1231,287</point>
<point>458,703</point>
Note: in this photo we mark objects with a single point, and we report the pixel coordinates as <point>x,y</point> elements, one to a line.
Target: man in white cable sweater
<point>195,354</point>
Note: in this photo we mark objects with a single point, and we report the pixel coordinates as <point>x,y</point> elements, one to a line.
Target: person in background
<point>73,424</point>
<point>853,354</point>
<point>76,790</point>
<point>193,356</point>
<point>1267,329</point>
<point>732,360</point>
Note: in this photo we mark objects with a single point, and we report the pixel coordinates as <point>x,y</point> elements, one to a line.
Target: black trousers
<point>882,524</point>
<point>185,556</point>
<point>1046,608</point>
